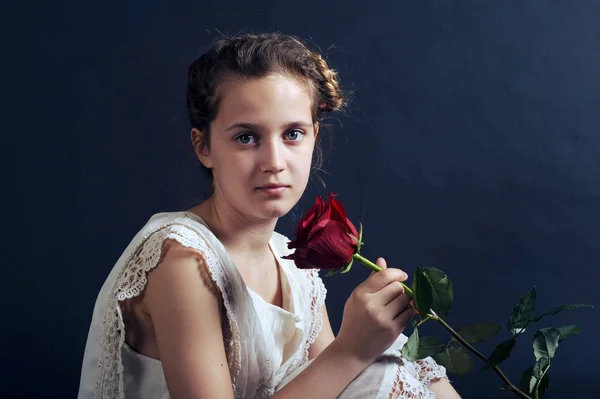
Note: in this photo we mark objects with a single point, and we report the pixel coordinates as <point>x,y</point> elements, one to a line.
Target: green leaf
<point>529,382</point>
<point>500,353</point>
<point>525,384</point>
<point>543,385</point>
<point>360,242</point>
<point>522,313</point>
<point>423,292</point>
<point>347,268</point>
<point>429,346</point>
<point>565,331</point>
<point>479,331</point>
<point>559,309</point>
<point>332,272</point>
<point>545,343</point>
<point>455,359</point>
<point>410,350</point>
<point>540,380</point>
<point>540,367</point>
<point>443,294</point>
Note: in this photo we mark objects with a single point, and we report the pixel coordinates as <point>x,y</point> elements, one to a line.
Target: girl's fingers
<point>381,263</point>
<point>397,306</point>
<point>388,293</point>
<point>404,317</point>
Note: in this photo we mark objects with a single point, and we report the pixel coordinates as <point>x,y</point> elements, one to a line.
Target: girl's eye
<point>294,135</point>
<point>245,138</point>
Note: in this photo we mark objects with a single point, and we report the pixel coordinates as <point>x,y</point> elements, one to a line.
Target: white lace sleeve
<point>392,377</point>
<point>130,283</point>
<point>428,370</point>
<point>413,378</point>
<point>133,279</point>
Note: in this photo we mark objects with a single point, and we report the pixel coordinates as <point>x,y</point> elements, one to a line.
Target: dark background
<point>471,145</point>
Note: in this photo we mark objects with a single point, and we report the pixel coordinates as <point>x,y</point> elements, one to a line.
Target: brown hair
<point>255,56</point>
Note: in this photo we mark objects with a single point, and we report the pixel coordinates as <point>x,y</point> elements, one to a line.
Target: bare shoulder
<point>183,303</point>
<point>190,262</point>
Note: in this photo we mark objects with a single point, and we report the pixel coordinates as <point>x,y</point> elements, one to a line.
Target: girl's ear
<point>201,148</point>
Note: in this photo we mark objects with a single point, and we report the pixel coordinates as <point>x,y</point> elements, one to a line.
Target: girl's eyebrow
<point>255,126</point>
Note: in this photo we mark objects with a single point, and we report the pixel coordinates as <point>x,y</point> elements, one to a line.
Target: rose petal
<point>333,245</point>
<point>325,238</point>
<point>297,243</point>
<point>338,212</point>
<point>320,205</point>
<point>302,258</point>
<point>307,220</point>
<point>321,222</point>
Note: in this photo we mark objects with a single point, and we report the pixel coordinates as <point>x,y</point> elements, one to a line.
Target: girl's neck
<point>240,236</point>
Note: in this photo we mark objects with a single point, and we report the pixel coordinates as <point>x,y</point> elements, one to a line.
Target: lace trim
<point>132,281</point>
<point>317,294</point>
<point>317,297</point>
<point>428,370</point>
<point>413,378</point>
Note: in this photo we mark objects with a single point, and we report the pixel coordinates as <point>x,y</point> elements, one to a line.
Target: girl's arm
<point>183,304</point>
<point>443,389</point>
<point>326,377</point>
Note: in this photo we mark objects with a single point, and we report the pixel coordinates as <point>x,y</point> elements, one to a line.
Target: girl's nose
<point>272,158</point>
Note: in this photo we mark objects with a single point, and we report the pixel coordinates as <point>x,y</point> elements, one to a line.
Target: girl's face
<point>261,146</point>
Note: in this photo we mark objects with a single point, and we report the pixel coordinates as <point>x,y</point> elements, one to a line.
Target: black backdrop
<point>471,145</point>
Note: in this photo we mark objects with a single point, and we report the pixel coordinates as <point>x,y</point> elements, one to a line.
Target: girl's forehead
<point>272,88</point>
<point>269,98</point>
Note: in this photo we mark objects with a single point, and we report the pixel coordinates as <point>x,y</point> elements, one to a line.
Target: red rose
<point>325,238</point>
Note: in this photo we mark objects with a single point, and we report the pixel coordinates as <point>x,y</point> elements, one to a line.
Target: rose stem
<point>460,339</point>
<point>373,266</point>
<point>463,342</point>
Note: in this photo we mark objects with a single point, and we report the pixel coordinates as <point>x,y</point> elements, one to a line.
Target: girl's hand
<point>375,314</point>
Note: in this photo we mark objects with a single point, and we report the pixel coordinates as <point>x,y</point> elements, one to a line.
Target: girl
<point>201,303</point>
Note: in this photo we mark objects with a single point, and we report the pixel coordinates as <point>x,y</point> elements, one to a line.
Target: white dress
<point>266,345</point>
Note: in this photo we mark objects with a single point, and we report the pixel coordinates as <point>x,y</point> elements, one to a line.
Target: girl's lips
<point>273,190</point>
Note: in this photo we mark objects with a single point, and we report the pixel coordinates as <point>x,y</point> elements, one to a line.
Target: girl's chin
<point>275,212</point>
<point>274,209</point>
